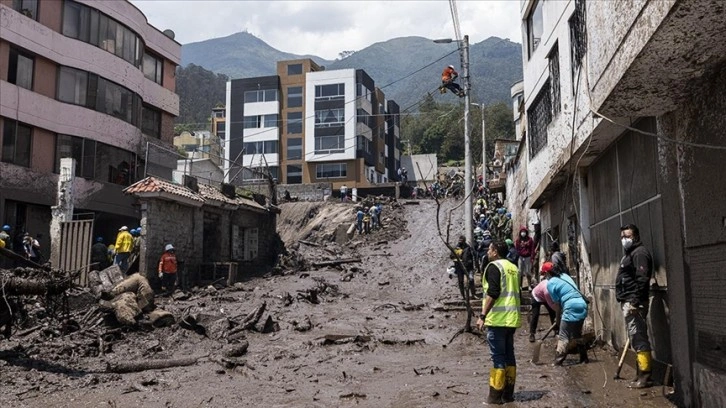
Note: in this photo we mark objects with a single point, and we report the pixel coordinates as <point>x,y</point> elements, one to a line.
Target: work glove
<point>160,275</point>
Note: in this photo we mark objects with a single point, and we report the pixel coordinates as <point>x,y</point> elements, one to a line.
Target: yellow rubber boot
<point>644,368</point>
<point>496,386</point>
<point>510,378</point>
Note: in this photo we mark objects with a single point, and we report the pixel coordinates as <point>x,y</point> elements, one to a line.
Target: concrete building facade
<point>624,111</point>
<point>324,127</point>
<point>91,80</point>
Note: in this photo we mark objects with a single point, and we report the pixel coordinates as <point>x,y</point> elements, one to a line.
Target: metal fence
<point>75,248</point>
<point>161,161</point>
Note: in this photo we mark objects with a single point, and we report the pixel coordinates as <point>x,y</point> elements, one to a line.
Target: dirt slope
<point>377,338</point>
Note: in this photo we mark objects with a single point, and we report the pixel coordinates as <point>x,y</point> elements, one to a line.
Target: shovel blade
<point>536,351</point>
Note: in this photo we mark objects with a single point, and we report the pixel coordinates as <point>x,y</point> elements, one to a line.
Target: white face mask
<point>522,234</point>
<point>627,243</point>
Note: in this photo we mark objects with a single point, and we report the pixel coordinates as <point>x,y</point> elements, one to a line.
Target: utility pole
<point>467,144</point>
<point>483,146</point>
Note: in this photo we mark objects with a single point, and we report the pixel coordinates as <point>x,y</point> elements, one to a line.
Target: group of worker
<point>368,218</point>
<point>566,305</point>
<point>125,251</point>
<point>23,244</point>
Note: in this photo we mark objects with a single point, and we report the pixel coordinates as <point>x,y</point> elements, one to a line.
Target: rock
<point>235,350</point>
<point>161,318</point>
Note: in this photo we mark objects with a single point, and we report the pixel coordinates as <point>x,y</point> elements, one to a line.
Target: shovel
<point>538,345</point>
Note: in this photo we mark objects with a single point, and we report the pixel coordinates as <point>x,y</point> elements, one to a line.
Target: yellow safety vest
<point>505,311</point>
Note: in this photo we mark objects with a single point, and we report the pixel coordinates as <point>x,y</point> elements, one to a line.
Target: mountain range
<point>405,68</point>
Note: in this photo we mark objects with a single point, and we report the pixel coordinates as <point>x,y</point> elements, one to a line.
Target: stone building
<point>205,226</point>
<point>624,112</point>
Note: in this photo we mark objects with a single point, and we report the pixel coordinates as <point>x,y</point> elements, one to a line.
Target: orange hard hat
<point>546,267</point>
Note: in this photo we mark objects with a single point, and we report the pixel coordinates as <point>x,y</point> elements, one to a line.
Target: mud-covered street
<point>372,333</point>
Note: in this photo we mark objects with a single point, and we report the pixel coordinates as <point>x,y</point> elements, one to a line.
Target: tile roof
<point>207,194</point>
<point>156,185</point>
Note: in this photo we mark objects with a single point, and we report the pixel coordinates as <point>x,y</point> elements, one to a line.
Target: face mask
<point>523,234</point>
<point>627,243</point>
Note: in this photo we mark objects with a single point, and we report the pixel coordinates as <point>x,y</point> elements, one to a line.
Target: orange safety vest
<point>167,264</point>
<point>448,74</point>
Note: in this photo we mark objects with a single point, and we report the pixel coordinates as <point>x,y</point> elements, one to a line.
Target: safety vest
<point>505,311</point>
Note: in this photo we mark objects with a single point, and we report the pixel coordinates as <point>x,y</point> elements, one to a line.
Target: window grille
<point>539,115</point>
<point>554,63</point>
<point>578,36</point>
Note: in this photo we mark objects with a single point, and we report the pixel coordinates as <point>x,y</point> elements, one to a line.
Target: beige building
<point>91,80</point>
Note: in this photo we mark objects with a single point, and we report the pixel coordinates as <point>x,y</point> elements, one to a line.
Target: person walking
<point>632,286</point>
<point>167,269</point>
<point>463,258</point>
<point>359,220</point>
<point>541,297</point>
<point>124,246</point>
<point>31,247</point>
<point>525,249</point>
<point>99,256</point>
<point>343,193</point>
<point>501,315</point>
<point>571,309</point>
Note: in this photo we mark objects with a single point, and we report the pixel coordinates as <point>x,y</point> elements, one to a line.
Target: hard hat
<point>6,227</point>
<point>546,267</point>
<point>481,217</point>
<point>99,239</point>
<point>2,243</point>
<point>169,247</point>
<point>451,66</point>
<point>477,230</point>
<point>138,229</point>
<point>124,228</point>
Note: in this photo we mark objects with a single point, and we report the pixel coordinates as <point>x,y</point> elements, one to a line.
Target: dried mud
<point>375,334</point>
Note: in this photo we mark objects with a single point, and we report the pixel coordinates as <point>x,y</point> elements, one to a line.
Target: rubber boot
<point>510,378</point>
<point>582,349</point>
<point>559,359</point>
<point>496,386</point>
<point>644,367</point>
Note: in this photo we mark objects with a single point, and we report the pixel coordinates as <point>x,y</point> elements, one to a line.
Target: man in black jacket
<point>632,286</point>
<point>464,265</point>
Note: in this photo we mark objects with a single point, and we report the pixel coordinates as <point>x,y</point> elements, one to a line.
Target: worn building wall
<point>266,225</point>
<point>698,325</point>
<point>167,222</point>
<point>304,192</point>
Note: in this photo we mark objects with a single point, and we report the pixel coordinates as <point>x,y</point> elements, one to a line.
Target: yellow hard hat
<point>2,243</point>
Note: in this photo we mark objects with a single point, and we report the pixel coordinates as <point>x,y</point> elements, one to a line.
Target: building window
<point>363,92</point>
<point>80,149</point>
<point>294,122</point>
<point>327,144</point>
<point>294,174</point>
<point>364,117</point>
<point>294,96</point>
<point>89,25</point>
<point>330,92</point>
<point>153,68</point>
<point>151,122</point>
<point>259,121</point>
<point>219,114</point>
<point>331,170</point>
<point>20,69</point>
<point>294,69</point>
<point>554,65</point>
<point>270,121</point>
<point>329,117</point>
<point>89,90</point>
<point>578,38</point>
<point>221,130</point>
<point>28,8</point>
<point>539,116</point>
<point>294,148</point>
<point>17,140</point>
<point>265,95</point>
<point>535,28</point>
<point>264,147</point>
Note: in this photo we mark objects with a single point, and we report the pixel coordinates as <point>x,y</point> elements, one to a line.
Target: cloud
<point>325,28</point>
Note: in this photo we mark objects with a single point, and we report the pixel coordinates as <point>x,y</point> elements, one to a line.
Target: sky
<point>326,28</point>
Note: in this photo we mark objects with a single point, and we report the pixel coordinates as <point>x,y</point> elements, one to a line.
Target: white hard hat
<point>168,247</point>
<point>124,228</point>
<point>451,66</point>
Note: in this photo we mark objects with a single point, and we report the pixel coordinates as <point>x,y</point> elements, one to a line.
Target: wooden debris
<point>344,338</point>
<point>405,342</point>
<point>136,366</point>
<point>353,395</point>
<point>308,243</point>
<point>335,262</point>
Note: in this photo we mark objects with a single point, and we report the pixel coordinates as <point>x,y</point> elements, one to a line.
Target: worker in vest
<point>123,247</point>
<point>167,269</point>
<point>500,314</point>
